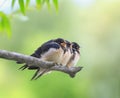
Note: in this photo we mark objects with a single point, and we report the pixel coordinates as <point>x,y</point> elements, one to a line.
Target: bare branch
<point>35,61</point>
<point>71,71</point>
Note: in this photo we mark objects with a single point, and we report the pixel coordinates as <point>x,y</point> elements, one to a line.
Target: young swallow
<point>75,55</point>
<point>52,50</point>
<point>66,56</point>
<point>53,54</point>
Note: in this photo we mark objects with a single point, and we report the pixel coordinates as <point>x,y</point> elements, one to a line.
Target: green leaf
<point>27,2</point>
<point>22,6</point>
<point>2,22</point>
<point>5,24</point>
<point>13,3</point>
<point>56,4</point>
<point>38,3</point>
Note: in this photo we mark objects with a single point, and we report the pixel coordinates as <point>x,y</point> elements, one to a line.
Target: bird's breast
<point>66,56</point>
<point>53,55</point>
<point>74,59</point>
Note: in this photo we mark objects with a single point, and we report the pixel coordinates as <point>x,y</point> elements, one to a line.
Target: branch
<point>35,61</point>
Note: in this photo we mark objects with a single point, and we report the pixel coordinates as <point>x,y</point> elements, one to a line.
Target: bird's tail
<point>39,73</point>
<point>23,67</point>
<point>28,67</point>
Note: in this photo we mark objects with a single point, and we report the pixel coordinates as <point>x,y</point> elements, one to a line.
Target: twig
<point>35,61</point>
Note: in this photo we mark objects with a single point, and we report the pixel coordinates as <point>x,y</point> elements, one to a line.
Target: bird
<point>66,56</point>
<point>53,54</point>
<point>52,50</point>
<point>75,55</point>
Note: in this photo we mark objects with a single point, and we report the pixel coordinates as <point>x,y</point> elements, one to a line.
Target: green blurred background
<point>96,27</point>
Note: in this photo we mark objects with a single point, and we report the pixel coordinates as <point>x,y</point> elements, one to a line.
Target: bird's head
<point>75,46</point>
<point>69,45</point>
<point>61,42</point>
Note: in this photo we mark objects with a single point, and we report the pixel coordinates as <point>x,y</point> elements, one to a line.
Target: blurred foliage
<point>39,3</point>
<point>5,24</point>
<point>23,5</point>
<point>96,28</point>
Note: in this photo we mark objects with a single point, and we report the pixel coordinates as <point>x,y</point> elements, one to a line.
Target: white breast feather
<point>53,55</point>
<point>66,57</point>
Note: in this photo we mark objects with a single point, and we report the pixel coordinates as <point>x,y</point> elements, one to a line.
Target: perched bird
<point>52,50</point>
<point>66,56</point>
<point>75,55</point>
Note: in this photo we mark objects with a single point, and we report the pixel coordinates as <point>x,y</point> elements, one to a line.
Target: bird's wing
<point>44,48</point>
<point>41,50</point>
<point>39,73</point>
